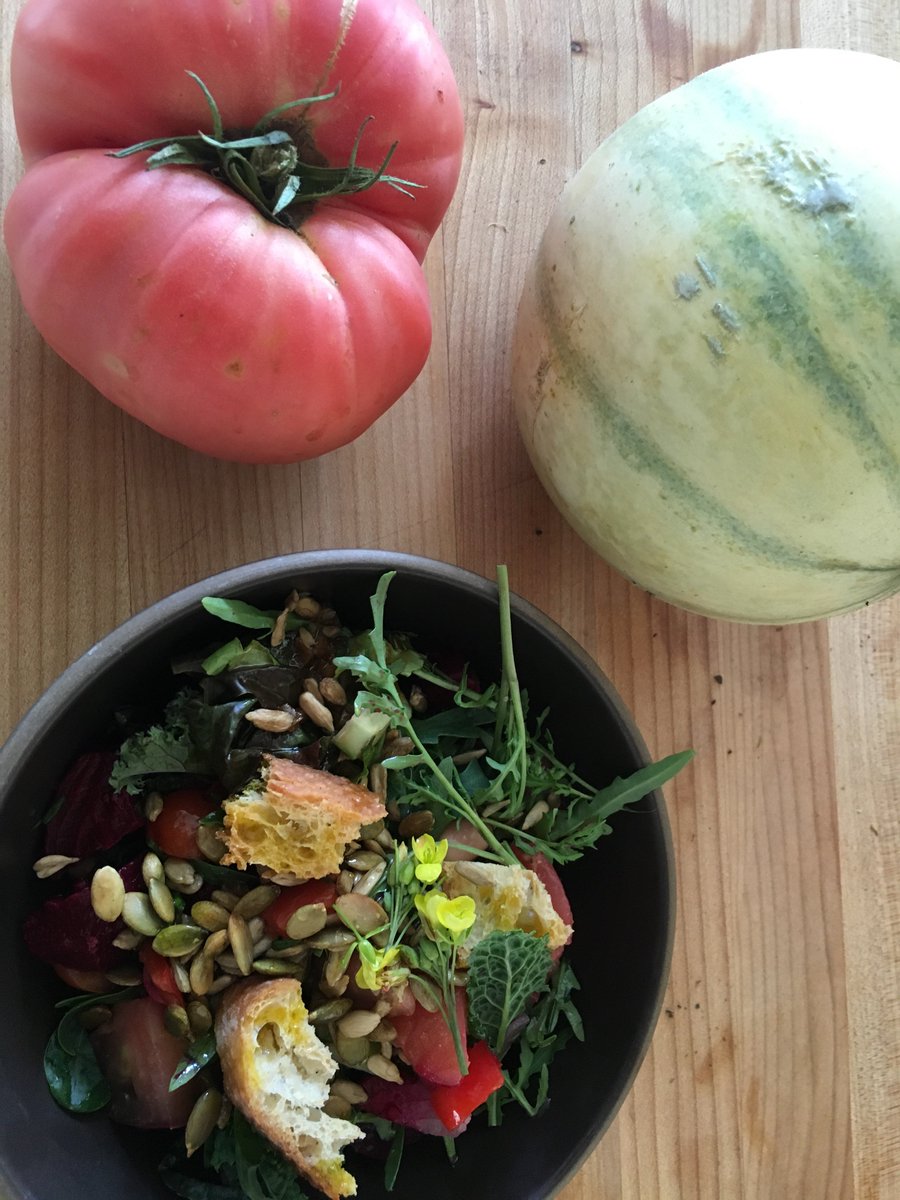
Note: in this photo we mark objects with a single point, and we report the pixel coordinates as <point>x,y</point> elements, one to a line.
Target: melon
<point>706,363</point>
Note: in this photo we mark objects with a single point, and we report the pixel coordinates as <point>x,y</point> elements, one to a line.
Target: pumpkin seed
<point>375,847</point>
<point>359,1023</point>
<point>276,966</point>
<point>226,900</point>
<point>176,1021</point>
<point>127,940</point>
<point>199,1017</point>
<point>306,921</point>
<point>138,914</point>
<point>330,939</point>
<point>385,1032</point>
<point>162,900</point>
<point>92,1018</point>
<point>415,824</point>
<point>176,940</point>
<point>182,979</point>
<point>107,894</point>
<point>126,976</point>
<point>346,881</point>
<point>335,965</point>
<point>335,989</point>
<point>256,901</point>
<point>331,1010</point>
<point>360,912</point>
<point>151,867</point>
<point>352,1051</point>
<point>363,860</point>
<point>210,844</point>
<point>241,943</point>
<point>256,927</point>
<point>299,951</point>
<point>180,872</point>
<point>216,943</point>
<point>349,1090</point>
<point>219,984</point>
<point>316,711</point>
<point>338,1107</point>
<point>50,864</point>
<point>261,947</point>
<point>203,1120</point>
<point>423,995</point>
<point>209,915</point>
<point>383,1068</point>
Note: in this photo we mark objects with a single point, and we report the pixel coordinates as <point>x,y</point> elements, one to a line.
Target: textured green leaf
<point>505,969</point>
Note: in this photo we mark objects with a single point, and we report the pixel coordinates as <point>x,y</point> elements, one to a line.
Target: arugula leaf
<point>75,1080</point>
<point>198,1055</point>
<point>244,1157</point>
<point>237,612</point>
<point>395,1154</point>
<point>505,969</point>
<point>454,722</point>
<point>234,655</point>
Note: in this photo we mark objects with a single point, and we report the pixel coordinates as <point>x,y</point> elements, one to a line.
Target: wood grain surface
<point>775,1071</point>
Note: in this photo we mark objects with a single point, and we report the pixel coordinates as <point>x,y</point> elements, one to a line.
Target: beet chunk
<point>408,1104</point>
<point>92,817</point>
<point>66,931</point>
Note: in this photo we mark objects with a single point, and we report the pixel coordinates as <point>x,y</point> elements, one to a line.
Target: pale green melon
<point>707,356</point>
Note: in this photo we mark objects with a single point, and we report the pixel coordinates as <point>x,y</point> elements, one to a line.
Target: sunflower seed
<point>50,864</point>
<point>306,921</point>
<point>359,912</point>
<point>385,1032</point>
<point>271,720</point>
<point>333,990</point>
<point>161,899</point>
<point>151,867</point>
<point>182,979</point>
<point>125,976</point>
<point>209,915</point>
<point>370,881</point>
<point>187,889</point>
<point>107,894</point>
<point>153,806</point>
<point>176,940</point>
<point>335,965</point>
<point>227,900</point>
<point>374,847</point>
<point>138,914</point>
<point>306,638</point>
<point>349,1090</point>
<point>378,779</point>
<point>241,943</point>
<point>331,1010</point>
<point>219,984</point>
<point>424,996</point>
<point>359,1023</point>
<point>256,901</point>
<point>311,685</point>
<point>316,711</point>
<point>201,974</point>
<point>332,692</point>
<point>307,607</point>
<point>535,813</point>
<point>474,872</point>
<point>383,1068</point>
<point>203,1120</point>
<point>176,1021</point>
<point>276,966</point>
<point>210,844</point>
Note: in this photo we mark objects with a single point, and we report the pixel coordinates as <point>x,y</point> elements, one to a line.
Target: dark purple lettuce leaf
<point>66,931</point>
<point>91,817</point>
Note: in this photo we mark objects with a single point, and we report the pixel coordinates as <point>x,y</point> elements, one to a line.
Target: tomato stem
<point>265,167</point>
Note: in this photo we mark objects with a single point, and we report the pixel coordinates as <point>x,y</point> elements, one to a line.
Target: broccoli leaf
<point>505,969</point>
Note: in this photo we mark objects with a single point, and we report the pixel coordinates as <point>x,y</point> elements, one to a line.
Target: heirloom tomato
<point>251,335</point>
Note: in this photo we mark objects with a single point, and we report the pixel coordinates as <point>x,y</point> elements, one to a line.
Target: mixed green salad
<point>432,961</point>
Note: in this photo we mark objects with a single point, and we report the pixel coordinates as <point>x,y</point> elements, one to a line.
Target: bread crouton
<point>505,898</point>
<point>276,1072</point>
<point>295,820</point>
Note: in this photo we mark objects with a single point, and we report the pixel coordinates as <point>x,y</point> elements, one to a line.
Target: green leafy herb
<point>505,969</point>
<point>244,1157</point>
<point>199,1054</point>
<point>392,1166</point>
<point>75,1080</point>
<point>234,655</point>
<point>237,612</point>
<point>171,747</point>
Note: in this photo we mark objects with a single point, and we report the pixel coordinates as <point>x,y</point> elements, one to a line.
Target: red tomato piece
<point>138,1056</point>
<point>549,877</point>
<point>209,323</point>
<point>175,829</point>
<point>280,911</point>
<point>159,978</point>
<point>455,1104</point>
<point>426,1043</point>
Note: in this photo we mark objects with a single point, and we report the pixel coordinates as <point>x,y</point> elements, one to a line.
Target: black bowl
<point>621,892</point>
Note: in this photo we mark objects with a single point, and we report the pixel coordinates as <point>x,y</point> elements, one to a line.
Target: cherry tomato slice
<point>175,829</point>
<point>425,1041</point>
<point>159,978</point>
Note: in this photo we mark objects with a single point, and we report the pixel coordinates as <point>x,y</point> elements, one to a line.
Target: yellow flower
<point>456,917</point>
<point>429,857</point>
<point>373,972</point>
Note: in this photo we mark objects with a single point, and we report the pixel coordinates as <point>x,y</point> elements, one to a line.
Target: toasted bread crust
<point>246,1008</point>
<point>299,822</point>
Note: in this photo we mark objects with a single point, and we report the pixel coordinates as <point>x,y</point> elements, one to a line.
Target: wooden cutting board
<point>775,1070</point>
